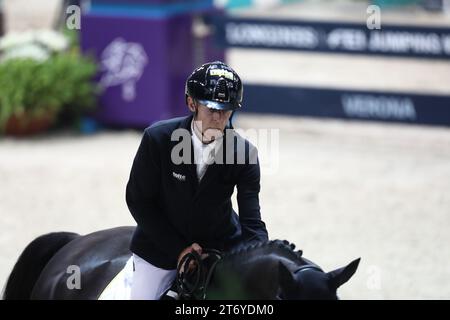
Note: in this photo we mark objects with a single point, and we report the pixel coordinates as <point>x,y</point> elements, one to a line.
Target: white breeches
<point>149,282</point>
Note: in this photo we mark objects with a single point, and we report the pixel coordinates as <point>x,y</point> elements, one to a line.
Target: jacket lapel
<point>188,169</point>
<point>211,172</point>
<point>214,169</point>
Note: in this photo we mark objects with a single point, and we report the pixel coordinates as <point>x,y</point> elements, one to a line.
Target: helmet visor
<point>219,105</point>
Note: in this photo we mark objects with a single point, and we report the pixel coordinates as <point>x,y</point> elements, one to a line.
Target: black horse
<point>269,270</point>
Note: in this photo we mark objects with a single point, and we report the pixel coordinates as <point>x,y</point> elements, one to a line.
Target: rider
<point>180,208</point>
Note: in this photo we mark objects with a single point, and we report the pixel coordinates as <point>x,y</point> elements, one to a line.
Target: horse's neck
<point>258,269</point>
<point>268,256</point>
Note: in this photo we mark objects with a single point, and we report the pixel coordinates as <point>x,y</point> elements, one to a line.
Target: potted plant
<point>41,77</point>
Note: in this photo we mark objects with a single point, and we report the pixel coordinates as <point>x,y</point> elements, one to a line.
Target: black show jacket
<point>173,210</point>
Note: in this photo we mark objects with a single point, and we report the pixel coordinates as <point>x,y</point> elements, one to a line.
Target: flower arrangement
<point>42,75</point>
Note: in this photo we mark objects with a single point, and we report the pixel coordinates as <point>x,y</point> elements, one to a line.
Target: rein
<point>202,275</point>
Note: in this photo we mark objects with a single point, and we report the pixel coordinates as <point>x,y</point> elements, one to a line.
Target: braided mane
<point>282,246</point>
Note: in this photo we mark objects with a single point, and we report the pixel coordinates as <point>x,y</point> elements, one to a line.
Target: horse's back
<point>85,266</point>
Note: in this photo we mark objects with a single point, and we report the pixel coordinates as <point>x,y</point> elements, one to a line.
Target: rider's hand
<point>193,247</point>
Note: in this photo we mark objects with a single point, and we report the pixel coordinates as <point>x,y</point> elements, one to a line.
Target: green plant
<point>60,83</point>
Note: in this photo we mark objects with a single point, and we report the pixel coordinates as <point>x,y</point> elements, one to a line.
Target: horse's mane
<point>282,246</point>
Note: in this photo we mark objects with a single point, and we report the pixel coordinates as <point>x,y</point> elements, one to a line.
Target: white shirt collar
<point>203,153</point>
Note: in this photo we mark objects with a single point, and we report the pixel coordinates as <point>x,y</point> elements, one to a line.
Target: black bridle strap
<point>308,267</point>
<point>302,268</point>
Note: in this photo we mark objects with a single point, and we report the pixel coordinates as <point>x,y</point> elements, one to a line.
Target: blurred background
<point>350,101</point>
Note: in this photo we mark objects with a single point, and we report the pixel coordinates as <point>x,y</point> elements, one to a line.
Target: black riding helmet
<point>216,86</point>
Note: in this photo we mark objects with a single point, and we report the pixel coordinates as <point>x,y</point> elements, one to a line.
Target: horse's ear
<point>340,276</point>
<point>285,279</point>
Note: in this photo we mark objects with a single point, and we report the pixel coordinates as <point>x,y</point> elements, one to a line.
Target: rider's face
<point>210,122</point>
